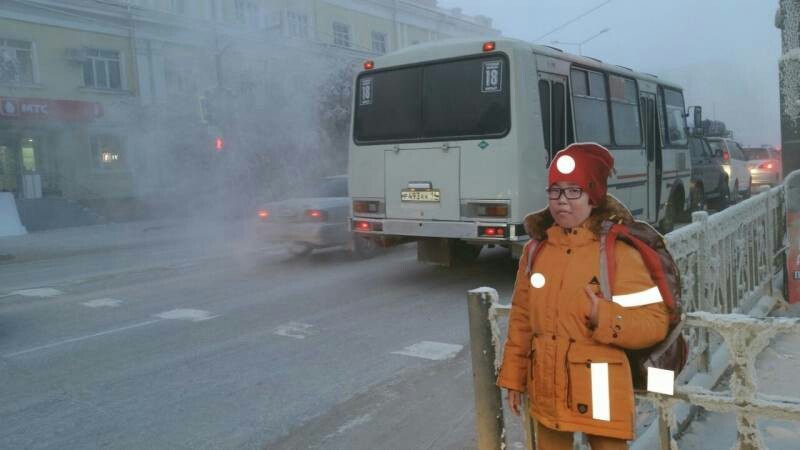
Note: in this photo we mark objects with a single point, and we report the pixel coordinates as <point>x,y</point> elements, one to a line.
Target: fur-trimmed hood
<point>537,222</point>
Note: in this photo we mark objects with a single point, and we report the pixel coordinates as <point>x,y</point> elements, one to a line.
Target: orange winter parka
<point>579,379</point>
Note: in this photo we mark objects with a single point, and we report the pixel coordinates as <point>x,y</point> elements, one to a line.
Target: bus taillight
<point>488,46</point>
<point>363,225</point>
<point>491,231</point>
<point>492,210</point>
<point>369,64</point>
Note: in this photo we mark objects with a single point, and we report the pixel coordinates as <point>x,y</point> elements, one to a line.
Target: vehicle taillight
<point>370,207</point>
<point>493,210</point>
<point>369,64</point>
<point>316,214</point>
<point>725,155</point>
<point>488,46</point>
<point>492,231</point>
<point>264,214</point>
<point>766,165</point>
<point>363,225</point>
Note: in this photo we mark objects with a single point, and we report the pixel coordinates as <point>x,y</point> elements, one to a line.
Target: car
<point>709,185</point>
<point>734,162</point>
<point>765,165</point>
<point>317,220</point>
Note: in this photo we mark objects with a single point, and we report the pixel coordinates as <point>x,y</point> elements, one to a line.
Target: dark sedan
<point>709,179</point>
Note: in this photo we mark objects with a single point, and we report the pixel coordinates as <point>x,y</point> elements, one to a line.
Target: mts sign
<point>33,108</point>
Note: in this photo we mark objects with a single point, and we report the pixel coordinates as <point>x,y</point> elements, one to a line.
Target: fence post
<point>701,278</point>
<point>488,403</point>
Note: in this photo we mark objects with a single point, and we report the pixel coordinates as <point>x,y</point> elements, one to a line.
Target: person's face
<point>569,213</point>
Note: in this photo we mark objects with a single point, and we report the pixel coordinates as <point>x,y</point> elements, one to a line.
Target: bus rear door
<point>423,182</point>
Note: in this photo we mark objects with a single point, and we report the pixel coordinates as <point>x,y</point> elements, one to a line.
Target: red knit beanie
<point>586,164</point>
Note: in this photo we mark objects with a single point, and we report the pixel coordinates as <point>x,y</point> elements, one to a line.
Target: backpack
<point>672,352</point>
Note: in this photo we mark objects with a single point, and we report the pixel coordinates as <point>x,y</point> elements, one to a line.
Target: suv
<point>709,180</point>
<point>765,165</point>
<point>734,162</point>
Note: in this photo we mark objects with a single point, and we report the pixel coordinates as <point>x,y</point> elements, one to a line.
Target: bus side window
<point>553,99</point>
<point>590,98</point>
<point>559,120</point>
<point>544,100</point>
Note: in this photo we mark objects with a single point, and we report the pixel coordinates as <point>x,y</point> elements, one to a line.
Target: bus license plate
<point>408,195</point>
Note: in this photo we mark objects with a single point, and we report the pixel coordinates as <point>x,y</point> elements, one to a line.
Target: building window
<point>16,61</point>
<point>246,11</point>
<point>341,34</point>
<point>240,10</point>
<point>107,152</point>
<point>178,6</point>
<point>379,42</point>
<point>102,69</point>
<point>212,10</point>
<point>298,24</point>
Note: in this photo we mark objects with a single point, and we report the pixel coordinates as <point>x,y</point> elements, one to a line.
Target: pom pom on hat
<point>586,164</point>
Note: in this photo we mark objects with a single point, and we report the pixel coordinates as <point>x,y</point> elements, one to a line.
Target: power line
<point>571,21</point>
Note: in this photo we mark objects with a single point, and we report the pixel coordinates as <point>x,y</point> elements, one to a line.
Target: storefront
<point>45,144</point>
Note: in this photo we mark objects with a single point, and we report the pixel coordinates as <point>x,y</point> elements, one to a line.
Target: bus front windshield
<point>450,100</point>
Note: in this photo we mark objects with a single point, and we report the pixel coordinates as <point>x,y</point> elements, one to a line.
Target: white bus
<point>451,141</point>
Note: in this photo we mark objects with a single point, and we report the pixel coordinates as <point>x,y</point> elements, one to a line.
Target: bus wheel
<point>464,253</point>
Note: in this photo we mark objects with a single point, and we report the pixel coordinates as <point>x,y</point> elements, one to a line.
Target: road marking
<point>295,330</point>
<point>360,420</point>
<point>436,351</point>
<point>102,333</point>
<point>194,315</point>
<point>101,302</point>
<point>39,292</point>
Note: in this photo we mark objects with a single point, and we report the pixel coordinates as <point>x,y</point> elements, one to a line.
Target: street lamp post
<point>581,43</point>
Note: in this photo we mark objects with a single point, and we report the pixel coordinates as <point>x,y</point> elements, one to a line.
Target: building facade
<point>121,98</point>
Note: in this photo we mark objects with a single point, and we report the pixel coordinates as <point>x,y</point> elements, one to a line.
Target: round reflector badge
<point>537,280</point>
<point>565,164</point>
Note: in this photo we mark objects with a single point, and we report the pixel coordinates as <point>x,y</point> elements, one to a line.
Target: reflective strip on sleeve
<point>601,402</point>
<point>641,298</point>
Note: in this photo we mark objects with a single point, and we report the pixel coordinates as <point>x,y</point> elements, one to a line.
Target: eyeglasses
<point>571,193</point>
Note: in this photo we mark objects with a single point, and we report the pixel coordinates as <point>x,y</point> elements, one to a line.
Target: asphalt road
<point>162,337</point>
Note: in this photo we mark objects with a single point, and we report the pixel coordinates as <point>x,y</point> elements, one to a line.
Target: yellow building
<point>64,89</point>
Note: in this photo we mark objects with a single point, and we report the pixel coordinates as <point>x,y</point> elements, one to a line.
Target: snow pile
<point>9,217</point>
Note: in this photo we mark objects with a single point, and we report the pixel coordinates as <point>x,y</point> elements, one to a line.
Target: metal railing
<point>728,262</point>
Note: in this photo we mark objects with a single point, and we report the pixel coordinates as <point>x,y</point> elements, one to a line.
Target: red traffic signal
<point>219,144</point>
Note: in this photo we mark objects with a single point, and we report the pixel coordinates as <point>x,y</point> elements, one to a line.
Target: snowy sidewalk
<point>114,236</point>
<point>778,367</point>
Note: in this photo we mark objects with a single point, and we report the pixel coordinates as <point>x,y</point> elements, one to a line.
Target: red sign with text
<point>44,109</point>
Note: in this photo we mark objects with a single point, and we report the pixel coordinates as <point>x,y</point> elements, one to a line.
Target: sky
<point>724,53</point>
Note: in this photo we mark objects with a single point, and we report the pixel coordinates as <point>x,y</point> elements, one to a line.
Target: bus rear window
<point>451,100</point>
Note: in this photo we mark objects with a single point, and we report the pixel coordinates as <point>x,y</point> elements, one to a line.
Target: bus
<point>451,142</point>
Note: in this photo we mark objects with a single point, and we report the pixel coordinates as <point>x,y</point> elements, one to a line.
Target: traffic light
<point>219,144</point>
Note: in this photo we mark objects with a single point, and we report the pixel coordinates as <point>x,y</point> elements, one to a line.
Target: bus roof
<point>470,46</point>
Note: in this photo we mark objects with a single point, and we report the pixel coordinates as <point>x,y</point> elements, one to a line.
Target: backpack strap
<point>663,346</point>
<point>531,248</point>
<point>606,261</point>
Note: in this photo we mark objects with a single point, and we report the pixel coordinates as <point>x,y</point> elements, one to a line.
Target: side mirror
<point>698,117</point>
